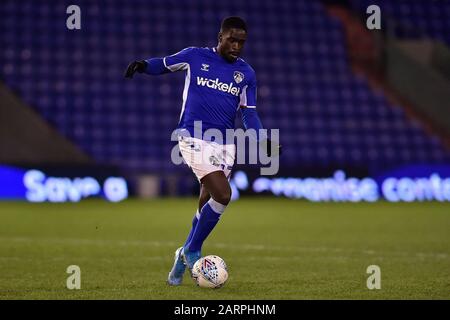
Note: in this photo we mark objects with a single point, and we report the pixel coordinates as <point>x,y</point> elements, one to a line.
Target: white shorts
<point>204,157</point>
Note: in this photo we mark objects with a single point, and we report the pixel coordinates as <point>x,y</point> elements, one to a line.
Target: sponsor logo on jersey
<point>205,67</point>
<point>216,84</point>
<point>238,76</point>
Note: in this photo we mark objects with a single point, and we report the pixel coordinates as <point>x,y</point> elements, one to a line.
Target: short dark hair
<point>233,22</point>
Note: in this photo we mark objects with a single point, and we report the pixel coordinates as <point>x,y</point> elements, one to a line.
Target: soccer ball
<point>210,272</point>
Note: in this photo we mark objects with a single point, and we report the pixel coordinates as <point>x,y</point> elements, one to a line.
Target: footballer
<point>217,84</point>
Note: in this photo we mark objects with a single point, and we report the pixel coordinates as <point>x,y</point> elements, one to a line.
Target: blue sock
<point>209,217</point>
<point>194,224</point>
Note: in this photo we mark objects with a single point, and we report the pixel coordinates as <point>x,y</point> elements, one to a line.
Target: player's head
<point>232,36</point>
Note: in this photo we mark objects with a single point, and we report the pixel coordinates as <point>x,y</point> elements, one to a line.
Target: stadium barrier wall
<point>403,184</point>
<point>62,183</point>
<point>417,80</point>
<point>440,59</point>
<point>25,138</point>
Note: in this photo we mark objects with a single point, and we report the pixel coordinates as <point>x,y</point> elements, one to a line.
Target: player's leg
<point>202,200</point>
<point>218,187</point>
<point>204,197</point>
<point>215,193</point>
<point>178,269</point>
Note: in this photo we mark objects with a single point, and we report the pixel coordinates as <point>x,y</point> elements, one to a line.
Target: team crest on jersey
<point>214,161</point>
<point>238,76</point>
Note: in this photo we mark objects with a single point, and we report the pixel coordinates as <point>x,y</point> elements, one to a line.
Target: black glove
<point>268,145</point>
<point>135,66</point>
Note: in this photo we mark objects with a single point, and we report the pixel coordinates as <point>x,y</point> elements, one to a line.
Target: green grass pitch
<point>275,249</point>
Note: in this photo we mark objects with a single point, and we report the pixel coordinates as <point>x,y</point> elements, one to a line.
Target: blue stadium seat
<point>326,114</point>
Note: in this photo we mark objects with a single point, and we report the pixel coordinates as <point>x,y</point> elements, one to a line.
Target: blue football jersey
<point>214,88</point>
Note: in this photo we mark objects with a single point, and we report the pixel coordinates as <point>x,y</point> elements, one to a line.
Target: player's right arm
<point>250,116</point>
<point>156,66</point>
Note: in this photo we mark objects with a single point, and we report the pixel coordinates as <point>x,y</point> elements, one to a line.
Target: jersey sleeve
<point>155,66</point>
<point>180,60</point>
<point>248,95</point>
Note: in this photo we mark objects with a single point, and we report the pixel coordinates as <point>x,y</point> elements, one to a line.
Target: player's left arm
<point>156,66</point>
<point>250,116</point>
<point>153,66</point>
